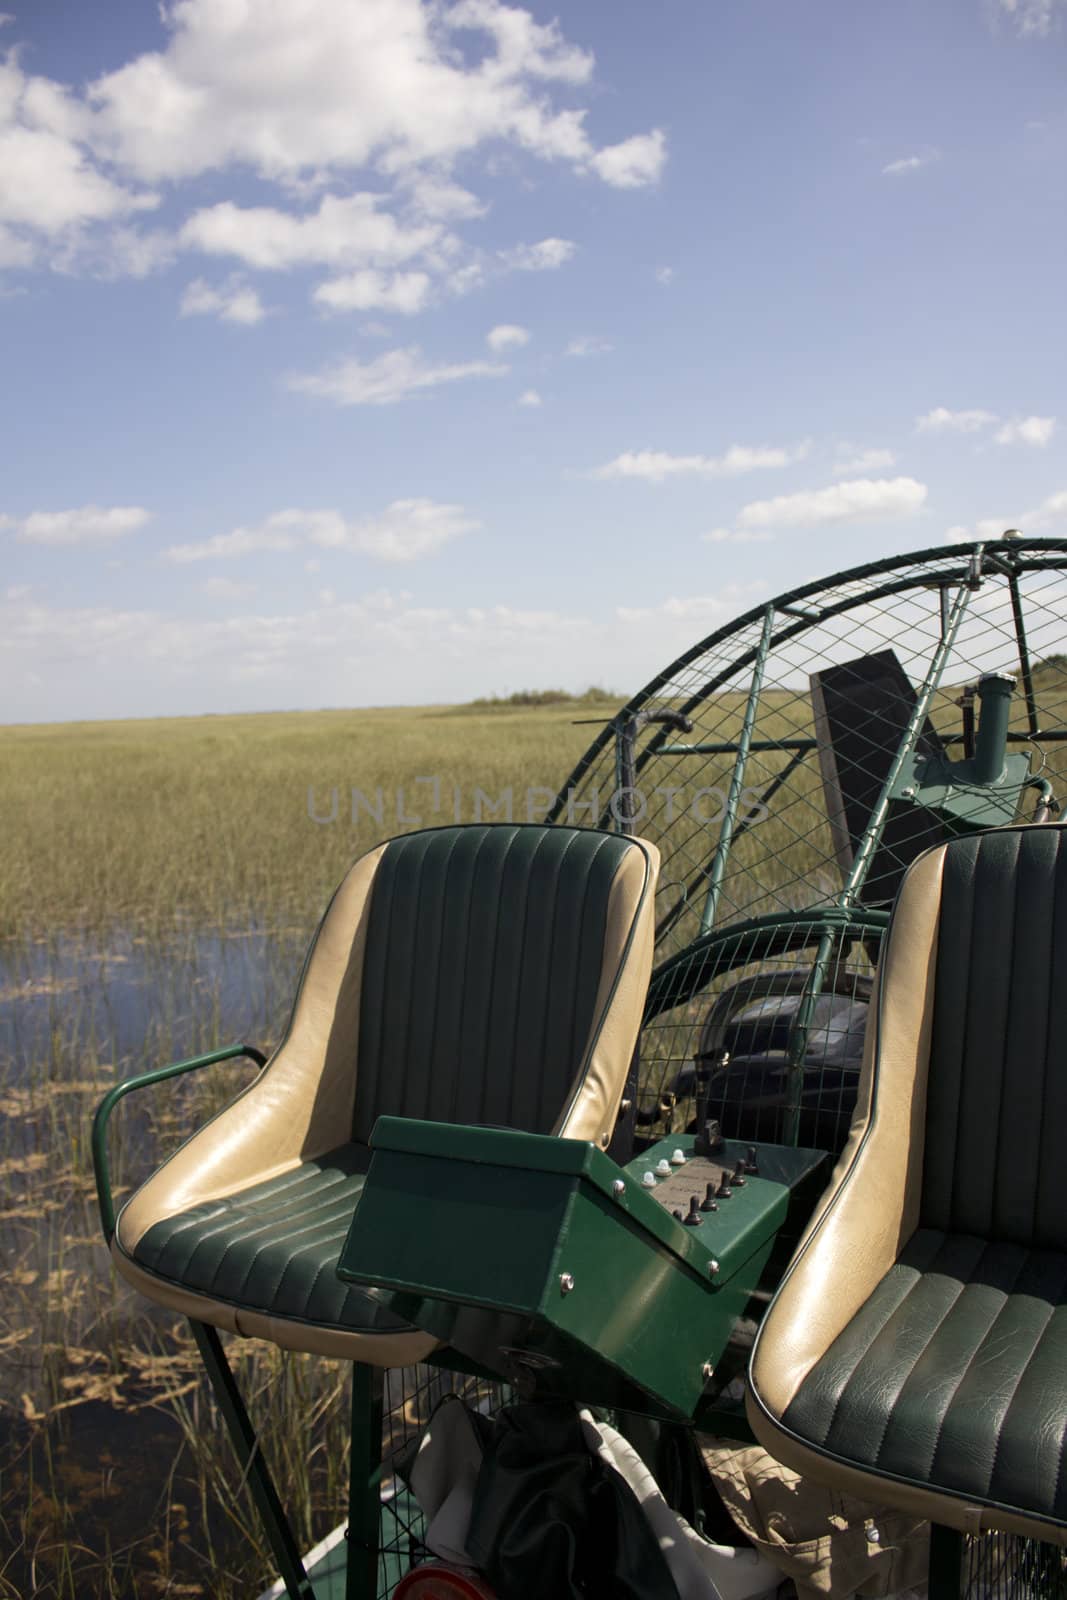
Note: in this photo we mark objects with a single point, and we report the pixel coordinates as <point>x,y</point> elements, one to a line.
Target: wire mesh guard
<point>789,767</point>
<point>410,1397</point>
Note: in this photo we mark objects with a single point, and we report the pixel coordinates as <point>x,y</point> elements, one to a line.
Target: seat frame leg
<point>946,1562</point>
<point>254,1468</point>
<point>364,1483</point>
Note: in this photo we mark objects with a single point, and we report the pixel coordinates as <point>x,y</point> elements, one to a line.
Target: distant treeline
<point>594,695</point>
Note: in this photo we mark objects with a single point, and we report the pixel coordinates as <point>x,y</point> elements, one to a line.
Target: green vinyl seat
<point>473,974</point>
<point>916,1350</point>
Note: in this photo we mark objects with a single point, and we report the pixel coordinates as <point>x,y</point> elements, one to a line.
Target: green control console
<point>542,1261</point>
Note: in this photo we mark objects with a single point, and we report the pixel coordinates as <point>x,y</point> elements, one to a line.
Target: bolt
<point>909,792</point>
<point>713,1268</point>
<point>707,1371</point>
<point>566,1283</point>
<point>618,1188</point>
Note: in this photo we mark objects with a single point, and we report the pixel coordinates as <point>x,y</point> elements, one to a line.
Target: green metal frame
<point>101,1165</point>
<point>367,1387</point>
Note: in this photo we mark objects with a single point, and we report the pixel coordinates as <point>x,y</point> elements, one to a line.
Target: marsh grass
<point>158,885</point>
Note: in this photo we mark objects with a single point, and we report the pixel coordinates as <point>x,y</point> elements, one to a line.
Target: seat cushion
<point>953,1376</point>
<point>273,1248</point>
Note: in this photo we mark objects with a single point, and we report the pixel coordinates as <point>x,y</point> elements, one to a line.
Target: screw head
<point>909,792</point>
<point>618,1187</point>
<point>713,1268</point>
<point>707,1371</point>
<point>566,1283</point>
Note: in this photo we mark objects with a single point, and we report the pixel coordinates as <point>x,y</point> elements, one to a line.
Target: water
<point>121,999</point>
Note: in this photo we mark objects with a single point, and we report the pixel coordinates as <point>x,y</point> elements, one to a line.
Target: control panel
<point>544,1262</point>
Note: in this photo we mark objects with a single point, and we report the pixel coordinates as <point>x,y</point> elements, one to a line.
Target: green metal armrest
<point>111,1099</point>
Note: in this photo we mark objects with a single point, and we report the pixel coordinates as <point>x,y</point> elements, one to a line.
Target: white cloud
<point>404,531</point>
<point>864,461</point>
<point>48,181</point>
<point>529,397</point>
<point>695,609</point>
<point>897,169</point>
<point>344,232</point>
<point>664,275</point>
<point>218,588</point>
<point>321,88</point>
<point>1049,513</point>
<point>588,344</point>
<point>656,465</point>
<point>1027,430</point>
<point>234,302</point>
<point>734,536</point>
<point>1034,18</point>
<point>241,542</point>
<point>507,335</point>
<point>388,378</point>
<point>84,525</point>
<point>545,256</point>
<point>442,201</point>
<point>633,163</point>
<point>941,420</point>
<point>855,500</point>
<point>372,290</point>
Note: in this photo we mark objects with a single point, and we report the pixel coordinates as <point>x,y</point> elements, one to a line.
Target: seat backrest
<point>490,955</point>
<point>996,1099</point>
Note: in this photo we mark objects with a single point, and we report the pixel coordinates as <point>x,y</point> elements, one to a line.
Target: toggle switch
<point>738,1179</point>
<point>709,1203</point>
<point>723,1192</point>
<point>751,1163</point>
<point>694,1219</point>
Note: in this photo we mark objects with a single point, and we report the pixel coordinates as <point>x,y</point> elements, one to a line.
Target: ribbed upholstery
<point>484,954</point>
<point>953,1374</point>
<point>951,1377</point>
<point>274,1246</point>
<point>486,974</point>
<point>996,1134</point>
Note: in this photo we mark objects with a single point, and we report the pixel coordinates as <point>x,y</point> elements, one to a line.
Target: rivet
<point>618,1187</point>
<point>713,1268</point>
<point>909,792</point>
<point>566,1283</point>
<point>707,1371</point>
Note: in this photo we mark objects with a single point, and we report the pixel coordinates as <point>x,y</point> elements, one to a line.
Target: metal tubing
<point>1024,653</point>
<point>876,821</point>
<point>364,1484</point>
<point>995,692</point>
<point>253,1467</point>
<point>798,1038</point>
<point>670,917</point>
<point>101,1168</point>
<point>737,777</point>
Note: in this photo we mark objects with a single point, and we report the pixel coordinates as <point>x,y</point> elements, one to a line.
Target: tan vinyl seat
<point>481,974</point>
<point>915,1353</point>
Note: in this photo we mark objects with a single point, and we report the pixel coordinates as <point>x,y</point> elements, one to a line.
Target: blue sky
<point>357,354</point>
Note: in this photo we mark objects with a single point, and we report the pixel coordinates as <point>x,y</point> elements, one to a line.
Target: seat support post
<point>946,1562</point>
<point>254,1469</point>
<point>364,1483</point>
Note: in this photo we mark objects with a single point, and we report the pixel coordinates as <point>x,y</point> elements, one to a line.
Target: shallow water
<point>121,998</point>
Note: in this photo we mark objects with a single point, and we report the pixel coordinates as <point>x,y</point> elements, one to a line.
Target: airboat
<point>719,1115</point>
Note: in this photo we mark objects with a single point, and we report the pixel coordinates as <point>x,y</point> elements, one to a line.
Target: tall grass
<point>158,883</point>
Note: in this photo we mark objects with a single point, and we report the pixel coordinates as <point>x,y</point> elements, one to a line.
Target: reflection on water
<point>123,1000</point>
